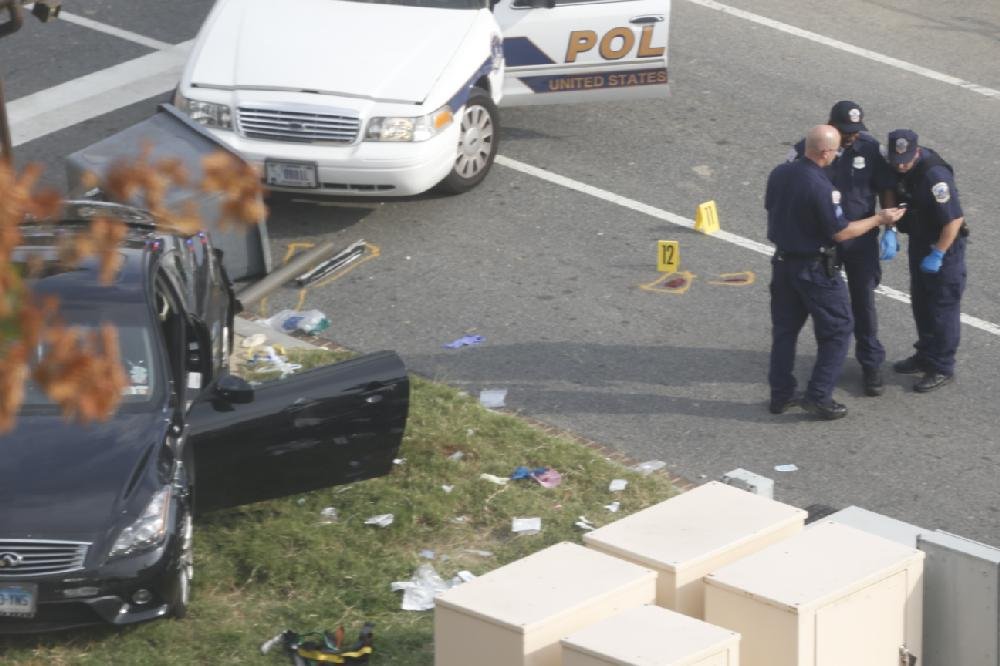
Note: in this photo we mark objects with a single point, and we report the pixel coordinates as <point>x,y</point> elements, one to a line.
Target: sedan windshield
<point>436,4</point>
<point>135,346</point>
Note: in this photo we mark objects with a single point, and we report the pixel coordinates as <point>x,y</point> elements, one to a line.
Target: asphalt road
<point>550,275</point>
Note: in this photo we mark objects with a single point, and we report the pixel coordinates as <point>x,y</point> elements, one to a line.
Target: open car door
<point>318,428</point>
<point>562,51</point>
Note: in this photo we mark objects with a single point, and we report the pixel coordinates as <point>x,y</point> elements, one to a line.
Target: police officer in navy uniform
<point>862,176</point>
<point>937,230</point>
<point>805,221</point>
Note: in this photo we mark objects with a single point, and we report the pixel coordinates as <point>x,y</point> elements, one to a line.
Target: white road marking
<point>92,95</point>
<point>127,35</point>
<point>849,48</point>
<point>672,218</point>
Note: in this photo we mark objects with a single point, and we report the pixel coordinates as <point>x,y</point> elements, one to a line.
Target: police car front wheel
<point>477,143</point>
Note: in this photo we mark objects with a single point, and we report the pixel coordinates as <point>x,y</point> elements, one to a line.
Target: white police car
<point>393,97</point>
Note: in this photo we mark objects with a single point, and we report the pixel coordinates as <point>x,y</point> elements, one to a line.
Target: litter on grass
<point>499,480</point>
<point>427,554</point>
<point>545,476</point>
<point>786,468</point>
<point>420,590</point>
<point>447,488</point>
<point>460,520</point>
<point>456,456</point>
<point>617,485</point>
<point>328,515</point>
<point>526,526</point>
<point>492,398</point>
<point>381,520</point>
<point>613,507</point>
<point>268,358</point>
<point>465,341</point>
<point>398,461</point>
<point>480,553</point>
<point>584,524</point>
<point>650,466</point>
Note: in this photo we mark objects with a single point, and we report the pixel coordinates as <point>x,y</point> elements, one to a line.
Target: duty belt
<point>782,255</point>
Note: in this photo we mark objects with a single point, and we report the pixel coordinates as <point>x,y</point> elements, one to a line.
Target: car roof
<point>82,283</point>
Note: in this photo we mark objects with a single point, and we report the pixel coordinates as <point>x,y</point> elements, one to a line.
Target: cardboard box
<point>516,615</point>
<point>691,534</point>
<point>651,636</point>
<point>829,596</point>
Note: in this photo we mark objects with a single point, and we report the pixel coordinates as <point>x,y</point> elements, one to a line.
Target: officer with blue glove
<point>937,230</point>
<point>863,177</point>
<point>805,221</point>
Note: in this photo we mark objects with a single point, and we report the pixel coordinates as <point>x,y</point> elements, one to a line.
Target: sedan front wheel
<point>477,143</point>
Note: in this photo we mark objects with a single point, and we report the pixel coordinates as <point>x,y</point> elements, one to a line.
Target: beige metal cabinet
<point>691,534</point>
<point>651,636</point>
<point>829,596</point>
<point>516,615</point>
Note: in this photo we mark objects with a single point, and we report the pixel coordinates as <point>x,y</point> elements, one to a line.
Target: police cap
<point>847,117</point>
<point>901,146</point>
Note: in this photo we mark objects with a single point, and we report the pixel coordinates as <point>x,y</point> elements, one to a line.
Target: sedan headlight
<point>206,113</point>
<point>148,530</point>
<point>420,128</point>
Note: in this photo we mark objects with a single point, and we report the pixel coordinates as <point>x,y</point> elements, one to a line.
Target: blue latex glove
<point>932,262</point>
<point>889,244</point>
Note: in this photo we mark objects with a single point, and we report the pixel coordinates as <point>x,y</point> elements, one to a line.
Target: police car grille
<point>303,127</point>
<point>33,557</point>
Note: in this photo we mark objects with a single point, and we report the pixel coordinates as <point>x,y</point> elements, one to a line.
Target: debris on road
<point>464,341</point>
<point>649,466</point>
<point>289,321</point>
<point>786,468</point>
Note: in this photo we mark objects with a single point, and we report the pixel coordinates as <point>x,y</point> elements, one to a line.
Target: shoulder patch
<point>941,192</point>
<point>836,197</point>
<point>792,155</point>
<point>883,151</point>
<point>859,162</point>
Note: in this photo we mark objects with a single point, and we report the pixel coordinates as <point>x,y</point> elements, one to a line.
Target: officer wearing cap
<point>936,251</point>
<point>805,220</point>
<point>862,176</point>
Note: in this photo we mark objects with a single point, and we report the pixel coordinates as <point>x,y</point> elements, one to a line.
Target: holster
<point>829,261</point>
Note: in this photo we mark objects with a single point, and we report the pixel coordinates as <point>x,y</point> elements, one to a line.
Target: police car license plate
<point>18,600</point>
<point>291,174</point>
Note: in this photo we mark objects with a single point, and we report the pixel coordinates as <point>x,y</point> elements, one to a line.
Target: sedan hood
<point>354,49</point>
<point>64,480</point>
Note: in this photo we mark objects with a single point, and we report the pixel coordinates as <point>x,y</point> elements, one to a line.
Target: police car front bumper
<point>366,168</point>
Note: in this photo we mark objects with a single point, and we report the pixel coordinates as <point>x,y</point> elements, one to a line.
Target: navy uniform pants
<point>864,273</point>
<point>799,289</point>
<point>937,300</point>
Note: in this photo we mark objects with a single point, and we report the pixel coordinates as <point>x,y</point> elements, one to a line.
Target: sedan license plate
<point>291,174</point>
<point>18,600</point>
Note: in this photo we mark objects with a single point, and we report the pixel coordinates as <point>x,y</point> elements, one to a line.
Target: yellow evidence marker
<point>706,220</point>
<point>668,256</point>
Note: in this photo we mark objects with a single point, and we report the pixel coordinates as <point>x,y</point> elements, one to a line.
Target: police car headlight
<point>205,113</point>
<point>421,128</point>
<point>148,530</point>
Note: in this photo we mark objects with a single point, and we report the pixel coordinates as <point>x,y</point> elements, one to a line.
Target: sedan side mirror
<point>234,390</point>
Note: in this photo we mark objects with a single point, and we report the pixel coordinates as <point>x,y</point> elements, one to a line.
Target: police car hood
<point>357,49</point>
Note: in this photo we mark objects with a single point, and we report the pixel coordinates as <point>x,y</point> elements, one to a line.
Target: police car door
<point>564,51</point>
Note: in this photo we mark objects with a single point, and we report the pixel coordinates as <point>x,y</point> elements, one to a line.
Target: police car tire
<point>482,117</point>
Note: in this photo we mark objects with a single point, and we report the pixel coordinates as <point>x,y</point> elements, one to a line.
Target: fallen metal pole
<point>348,255</point>
<point>265,286</point>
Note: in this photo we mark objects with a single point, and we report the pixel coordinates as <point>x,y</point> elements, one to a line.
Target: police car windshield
<point>435,4</point>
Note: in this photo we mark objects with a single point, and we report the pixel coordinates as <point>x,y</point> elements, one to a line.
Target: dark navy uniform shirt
<point>860,172</point>
<point>933,202</point>
<point>803,208</point>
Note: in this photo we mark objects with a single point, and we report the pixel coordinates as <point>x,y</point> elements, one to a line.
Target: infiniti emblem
<point>10,560</point>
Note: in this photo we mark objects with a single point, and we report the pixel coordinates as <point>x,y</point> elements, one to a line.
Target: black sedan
<point>96,520</point>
